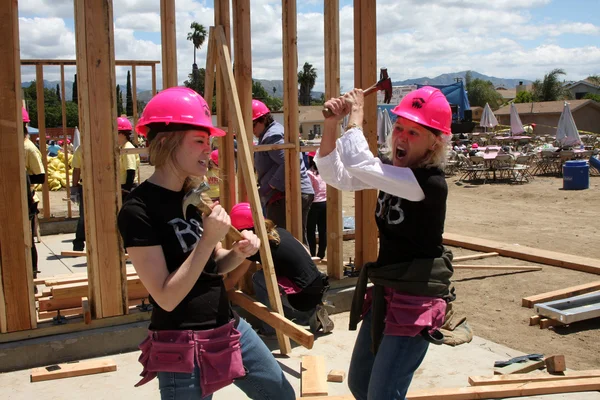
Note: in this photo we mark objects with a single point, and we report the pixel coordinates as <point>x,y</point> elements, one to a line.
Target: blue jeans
<point>388,374</point>
<point>260,289</point>
<point>264,380</point>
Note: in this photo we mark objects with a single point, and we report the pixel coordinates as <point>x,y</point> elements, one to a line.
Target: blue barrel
<point>576,175</point>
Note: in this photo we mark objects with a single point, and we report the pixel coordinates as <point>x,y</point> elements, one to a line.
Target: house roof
<point>584,82</point>
<point>507,94</point>
<point>547,107</point>
<point>311,114</point>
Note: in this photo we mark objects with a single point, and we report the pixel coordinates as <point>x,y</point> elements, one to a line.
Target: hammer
<point>384,83</point>
<point>194,197</point>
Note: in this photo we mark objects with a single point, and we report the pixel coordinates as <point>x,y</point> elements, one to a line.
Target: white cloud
<point>144,22</point>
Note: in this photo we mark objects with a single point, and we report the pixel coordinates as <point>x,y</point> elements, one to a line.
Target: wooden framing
<point>335,227</point>
<point>17,311</point>
<point>293,200</point>
<point>313,380</point>
<point>365,75</point>
<point>70,370</point>
<point>560,294</point>
<point>63,107</point>
<point>522,378</point>
<point>134,99</point>
<point>168,43</point>
<point>39,87</point>
<point>97,116</point>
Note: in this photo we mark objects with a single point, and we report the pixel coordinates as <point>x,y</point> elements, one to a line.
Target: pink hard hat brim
<point>143,129</point>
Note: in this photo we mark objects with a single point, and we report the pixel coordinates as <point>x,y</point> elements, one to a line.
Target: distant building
<point>579,89</point>
<point>545,115</point>
<point>477,112</point>
<point>311,121</point>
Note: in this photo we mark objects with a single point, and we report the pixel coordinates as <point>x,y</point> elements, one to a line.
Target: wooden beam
<point>365,74</point>
<point>168,44</point>
<point>534,320</point>
<point>153,80</point>
<point>137,150</point>
<point>39,88</point>
<point>546,323</point>
<point>75,278</point>
<point>210,70</point>
<point>510,390</point>
<point>86,310</point>
<point>276,320</point>
<point>525,253</point>
<point>80,289</point>
<point>70,370</point>
<point>293,199</point>
<point>560,294</point>
<point>313,381</point>
<point>48,303</point>
<point>243,75</point>
<point>475,257</point>
<point>17,312</point>
<point>244,158</point>
<point>522,378</point>
<point>227,195</point>
<point>63,107</point>
<point>335,225</point>
<point>97,117</point>
<point>497,267</point>
<point>121,63</point>
<point>269,147</point>
<point>134,99</point>
<point>336,375</point>
<point>556,364</point>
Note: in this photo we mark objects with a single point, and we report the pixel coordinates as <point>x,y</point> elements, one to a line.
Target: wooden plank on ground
<point>534,320</point>
<point>520,378</point>
<point>520,368</point>
<point>546,323</point>
<point>556,364</point>
<point>336,375</point>
<point>560,294</point>
<point>276,320</point>
<point>540,256</point>
<point>313,381</point>
<point>511,390</point>
<point>86,310</point>
<point>70,370</point>
<point>497,267</point>
<point>79,290</point>
<point>474,257</point>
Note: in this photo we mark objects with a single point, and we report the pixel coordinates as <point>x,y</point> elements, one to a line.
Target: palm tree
<point>197,36</point>
<point>594,79</point>
<point>550,89</point>
<point>306,79</point>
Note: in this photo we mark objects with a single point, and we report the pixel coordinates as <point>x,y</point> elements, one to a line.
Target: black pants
<point>276,213</point>
<point>317,219</point>
<point>34,254</point>
<point>79,242</point>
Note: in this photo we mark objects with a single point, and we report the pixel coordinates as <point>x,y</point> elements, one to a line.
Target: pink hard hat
<point>475,146</point>
<point>177,105</point>
<point>214,156</point>
<point>25,115</point>
<point>259,109</point>
<point>312,153</point>
<point>123,124</point>
<point>241,216</point>
<point>60,142</point>
<point>426,106</point>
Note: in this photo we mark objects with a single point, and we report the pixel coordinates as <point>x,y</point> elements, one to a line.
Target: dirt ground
<point>538,214</point>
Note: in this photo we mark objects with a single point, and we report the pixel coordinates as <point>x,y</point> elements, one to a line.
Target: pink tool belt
<point>287,285</point>
<point>217,353</point>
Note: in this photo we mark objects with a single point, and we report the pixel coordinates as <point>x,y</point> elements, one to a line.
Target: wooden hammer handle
<point>373,89</point>
<point>233,234</point>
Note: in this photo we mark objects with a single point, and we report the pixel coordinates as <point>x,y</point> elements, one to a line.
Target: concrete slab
<point>444,366</point>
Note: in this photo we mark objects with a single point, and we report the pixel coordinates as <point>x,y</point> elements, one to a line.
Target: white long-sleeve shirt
<point>352,166</point>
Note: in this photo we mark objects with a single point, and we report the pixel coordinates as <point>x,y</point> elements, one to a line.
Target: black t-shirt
<point>408,229</point>
<point>152,216</point>
<point>292,260</point>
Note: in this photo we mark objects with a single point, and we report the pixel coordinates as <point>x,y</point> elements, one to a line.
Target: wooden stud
<point>269,147</point>
<point>534,320</point>
<point>227,196</point>
<point>497,267</point>
<point>70,370</point>
<point>49,303</point>
<point>86,310</point>
<point>244,158</point>
<point>243,75</point>
<point>475,257</point>
<point>336,375</point>
<point>168,43</point>
<point>365,75</point>
<point>293,199</point>
<point>3,324</point>
<point>335,225</point>
<point>97,116</point>
<point>277,321</point>
<point>74,278</point>
<point>65,312</point>
<point>63,107</point>
<point>546,323</point>
<point>210,70</point>
<point>78,290</point>
<point>18,310</point>
<point>313,380</point>
<point>556,364</point>
<point>560,294</point>
<point>134,99</point>
<point>520,368</point>
<point>153,80</point>
<point>522,378</point>
<point>525,253</point>
<point>41,112</point>
<point>121,63</point>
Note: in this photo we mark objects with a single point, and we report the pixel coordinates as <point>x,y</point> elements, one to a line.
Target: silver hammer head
<point>194,197</point>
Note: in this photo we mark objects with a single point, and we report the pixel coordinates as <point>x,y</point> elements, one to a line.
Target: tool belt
<point>217,353</point>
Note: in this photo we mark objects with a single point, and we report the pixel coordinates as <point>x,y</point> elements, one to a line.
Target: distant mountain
<point>446,79</point>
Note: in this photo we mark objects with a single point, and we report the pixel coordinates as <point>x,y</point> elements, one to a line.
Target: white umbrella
<point>488,119</point>
<point>380,127</point>
<point>76,139</point>
<point>566,133</point>
<point>516,126</point>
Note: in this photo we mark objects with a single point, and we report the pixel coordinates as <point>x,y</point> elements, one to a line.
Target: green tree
<point>129,99</point>
<point>594,79</point>
<point>480,92</point>
<point>75,96</point>
<point>524,97</point>
<point>72,114</point>
<point>58,92</point>
<point>306,78</point>
<point>119,100</point>
<point>592,96</point>
<point>260,93</point>
<point>195,81</point>
<point>550,88</point>
<point>197,36</point>
<point>274,90</point>
<point>468,78</point>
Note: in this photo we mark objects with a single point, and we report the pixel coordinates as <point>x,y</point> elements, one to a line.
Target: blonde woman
<point>196,343</point>
<point>406,307</point>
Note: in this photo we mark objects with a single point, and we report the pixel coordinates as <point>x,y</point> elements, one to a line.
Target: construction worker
<point>270,168</point>
<point>36,174</point>
<point>212,176</point>
<point>196,343</point>
<point>77,197</point>
<point>129,162</point>
<point>406,308</point>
